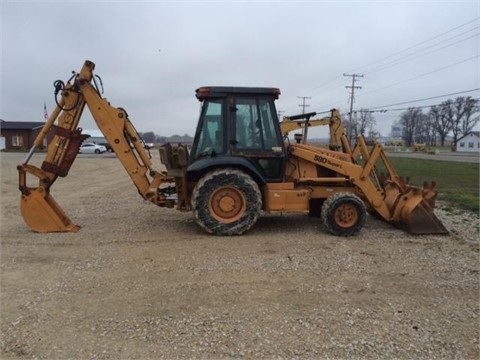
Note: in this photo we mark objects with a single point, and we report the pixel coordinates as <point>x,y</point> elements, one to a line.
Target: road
<point>443,156</point>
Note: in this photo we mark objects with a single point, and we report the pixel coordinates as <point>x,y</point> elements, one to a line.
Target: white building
<point>469,143</point>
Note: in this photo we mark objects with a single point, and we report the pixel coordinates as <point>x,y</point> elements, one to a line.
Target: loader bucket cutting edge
<point>42,213</point>
<point>422,220</point>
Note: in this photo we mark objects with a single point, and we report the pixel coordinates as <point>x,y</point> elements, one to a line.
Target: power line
<point>424,99</point>
<point>326,85</point>
<point>417,44</point>
<point>352,97</point>
<point>404,109</point>
<point>303,105</point>
<point>407,57</point>
<point>381,109</point>
<point>422,75</point>
<point>329,85</point>
<point>422,52</point>
<point>352,94</point>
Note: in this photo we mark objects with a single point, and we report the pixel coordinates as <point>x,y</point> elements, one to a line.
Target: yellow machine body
<point>222,186</point>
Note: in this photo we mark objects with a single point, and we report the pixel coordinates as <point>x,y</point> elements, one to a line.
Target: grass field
<point>457,182</point>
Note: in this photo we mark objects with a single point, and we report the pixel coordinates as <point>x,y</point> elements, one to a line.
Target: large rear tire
<point>344,214</point>
<point>226,202</point>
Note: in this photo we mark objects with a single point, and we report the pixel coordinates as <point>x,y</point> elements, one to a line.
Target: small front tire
<point>344,214</point>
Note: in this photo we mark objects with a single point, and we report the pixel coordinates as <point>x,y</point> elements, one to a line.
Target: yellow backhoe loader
<point>240,164</point>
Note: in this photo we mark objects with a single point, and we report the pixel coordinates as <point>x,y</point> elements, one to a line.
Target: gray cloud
<point>301,47</point>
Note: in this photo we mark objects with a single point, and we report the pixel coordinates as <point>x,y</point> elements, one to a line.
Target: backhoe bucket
<point>42,213</point>
<point>413,209</point>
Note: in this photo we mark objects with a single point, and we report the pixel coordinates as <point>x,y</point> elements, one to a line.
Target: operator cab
<point>240,122</point>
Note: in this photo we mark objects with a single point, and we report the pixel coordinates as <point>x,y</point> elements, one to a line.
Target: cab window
<point>210,137</point>
<point>254,125</point>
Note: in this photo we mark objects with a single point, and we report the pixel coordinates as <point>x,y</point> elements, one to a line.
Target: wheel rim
<point>346,215</point>
<point>227,205</point>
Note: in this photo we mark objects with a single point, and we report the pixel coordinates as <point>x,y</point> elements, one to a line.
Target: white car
<point>90,148</point>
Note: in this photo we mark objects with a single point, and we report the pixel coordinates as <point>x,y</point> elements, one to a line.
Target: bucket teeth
<point>429,193</point>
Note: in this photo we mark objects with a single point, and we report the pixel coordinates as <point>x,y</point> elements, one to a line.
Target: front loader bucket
<point>412,208</point>
<point>422,220</point>
<point>42,213</point>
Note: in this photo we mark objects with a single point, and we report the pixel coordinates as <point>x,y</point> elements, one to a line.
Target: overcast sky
<point>152,55</point>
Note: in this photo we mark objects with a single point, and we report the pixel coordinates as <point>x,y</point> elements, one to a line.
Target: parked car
<point>107,146</point>
<point>90,148</point>
<point>145,145</point>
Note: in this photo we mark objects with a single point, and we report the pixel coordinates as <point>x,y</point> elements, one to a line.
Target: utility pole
<point>352,97</point>
<point>303,105</point>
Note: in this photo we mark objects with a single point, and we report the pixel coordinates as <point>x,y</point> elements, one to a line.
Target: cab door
<point>256,134</point>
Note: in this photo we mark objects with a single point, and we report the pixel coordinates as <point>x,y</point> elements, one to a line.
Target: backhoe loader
<point>241,163</point>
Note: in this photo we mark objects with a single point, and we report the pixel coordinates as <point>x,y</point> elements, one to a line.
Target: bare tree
<point>451,116</point>
<point>462,121</point>
<point>424,130</point>
<point>441,120</point>
<point>148,136</point>
<point>362,123</point>
<point>410,119</point>
<point>365,122</point>
<point>471,108</point>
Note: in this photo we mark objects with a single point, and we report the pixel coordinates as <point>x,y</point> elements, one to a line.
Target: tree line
<point>456,117</point>
<point>151,137</point>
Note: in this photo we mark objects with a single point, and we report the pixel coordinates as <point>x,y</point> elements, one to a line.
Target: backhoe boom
<point>38,207</point>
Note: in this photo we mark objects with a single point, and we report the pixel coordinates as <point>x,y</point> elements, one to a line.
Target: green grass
<point>457,182</point>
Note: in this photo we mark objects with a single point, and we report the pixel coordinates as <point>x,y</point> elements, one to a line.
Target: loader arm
<point>352,173</point>
<point>402,205</point>
<point>39,210</point>
<point>338,139</point>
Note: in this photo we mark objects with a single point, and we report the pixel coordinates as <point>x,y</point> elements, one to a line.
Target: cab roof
<point>205,92</point>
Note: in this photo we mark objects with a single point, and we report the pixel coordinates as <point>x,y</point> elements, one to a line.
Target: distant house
<point>396,130</point>
<point>469,143</point>
<point>96,136</point>
<point>20,135</point>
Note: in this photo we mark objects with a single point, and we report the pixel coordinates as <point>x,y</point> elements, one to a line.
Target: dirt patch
<point>144,282</point>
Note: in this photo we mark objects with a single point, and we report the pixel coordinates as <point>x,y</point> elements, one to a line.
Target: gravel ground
<point>141,282</point>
